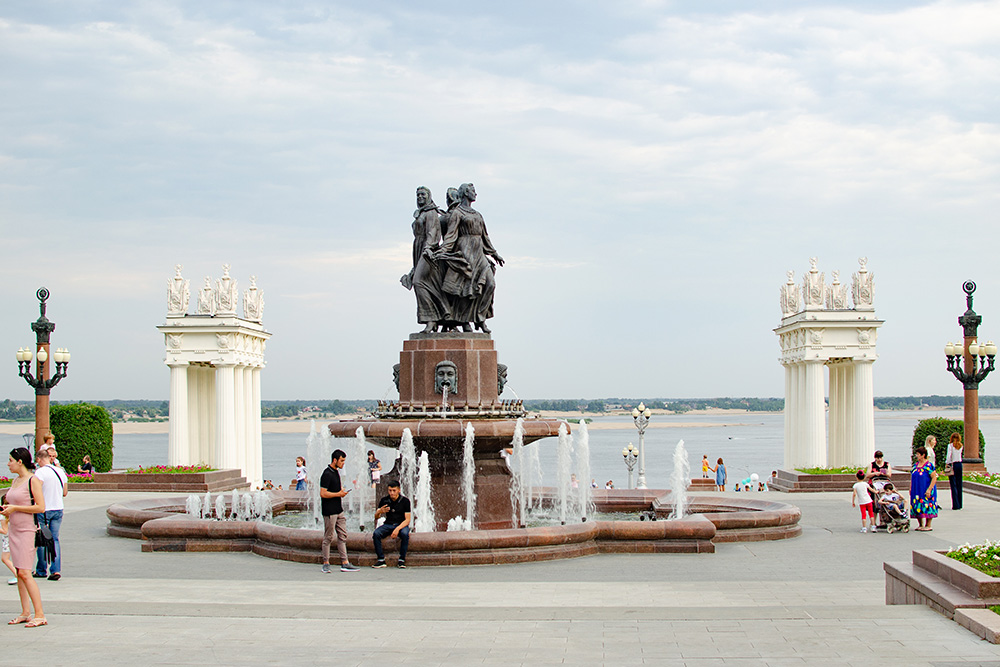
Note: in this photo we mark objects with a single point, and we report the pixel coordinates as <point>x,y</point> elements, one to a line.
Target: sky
<point>649,170</point>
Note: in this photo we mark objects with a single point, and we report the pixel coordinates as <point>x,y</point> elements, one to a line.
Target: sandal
<point>36,622</point>
<point>19,620</point>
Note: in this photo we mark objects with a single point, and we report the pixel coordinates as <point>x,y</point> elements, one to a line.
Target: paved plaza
<point>816,599</point>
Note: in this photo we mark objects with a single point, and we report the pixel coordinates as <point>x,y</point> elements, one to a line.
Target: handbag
<point>949,469</point>
<point>43,534</point>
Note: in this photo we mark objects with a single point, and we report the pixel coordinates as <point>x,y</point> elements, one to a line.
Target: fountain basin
<point>162,526</point>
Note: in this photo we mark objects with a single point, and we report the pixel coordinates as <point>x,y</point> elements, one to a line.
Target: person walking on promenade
<point>954,462</point>
<point>705,466</point>
<point>923,487</point>
<point>300,474</point>
<point>395,507</point>
<point>54,488</point>
<point>720,475</point>
<point>24,499</point>
<point>861,496</point>
<point>330,493</point>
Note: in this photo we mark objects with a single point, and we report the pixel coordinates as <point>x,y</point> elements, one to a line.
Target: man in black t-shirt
<point>330,494</point>
<point>396,509</point>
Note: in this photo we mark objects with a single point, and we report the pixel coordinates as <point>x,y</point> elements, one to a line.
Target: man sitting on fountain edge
<point>395,507</point>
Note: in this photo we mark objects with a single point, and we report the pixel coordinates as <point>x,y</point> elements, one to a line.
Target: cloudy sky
<point>648,169</point>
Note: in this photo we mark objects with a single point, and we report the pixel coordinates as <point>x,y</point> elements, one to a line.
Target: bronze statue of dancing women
<point>469,274</point>
<point>452,276</point>
<point>424,278</point>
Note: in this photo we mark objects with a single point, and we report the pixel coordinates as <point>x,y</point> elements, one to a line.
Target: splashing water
<point>458,523</point>
<point>407,464</point>
<point>193,506</point>
<point>469,475</point>
<point>563,454</point>
<point>357,464</point>
<point>583,470</point>
<point>234,505</point>
<point>262,508</point>
<point>206,506</point>
<point>680,478</point>
<point>533,473</point>
<point>319,447</point>
<point>220,507</point>
<point>519,485</point>
<point>425,508</point>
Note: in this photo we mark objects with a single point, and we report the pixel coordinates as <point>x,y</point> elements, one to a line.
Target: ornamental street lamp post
<point>630,454</point>
<point>641,417</point>
<point>970,363</point>
<point>43,381</point>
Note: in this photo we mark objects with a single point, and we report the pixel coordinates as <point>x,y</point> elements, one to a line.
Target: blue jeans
<point>384,531</point>
<point>300,485</point>
<point>52,519</point>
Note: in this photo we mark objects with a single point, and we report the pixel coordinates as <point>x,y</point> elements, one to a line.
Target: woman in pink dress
<point>23,500</point>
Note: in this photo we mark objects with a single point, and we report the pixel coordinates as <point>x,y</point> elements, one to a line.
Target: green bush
<point>82,428</point>
<point>941,429</point>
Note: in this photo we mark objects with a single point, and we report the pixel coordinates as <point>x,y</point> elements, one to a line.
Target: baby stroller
<point>891,516</point>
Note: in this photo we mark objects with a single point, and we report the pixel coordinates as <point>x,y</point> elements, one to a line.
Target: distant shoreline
<point>303,425</point>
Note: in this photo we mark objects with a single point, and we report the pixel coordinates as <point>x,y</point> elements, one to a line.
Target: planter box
<point>947,586</point>
<point>982,490</point>
<point>192,482</point>
<point>793,481</point>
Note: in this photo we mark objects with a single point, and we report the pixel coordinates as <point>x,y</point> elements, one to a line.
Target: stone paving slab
<point>813,600</point>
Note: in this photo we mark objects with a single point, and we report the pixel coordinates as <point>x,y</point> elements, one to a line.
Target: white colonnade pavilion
<point>820,330</point>
<point>215,360</point>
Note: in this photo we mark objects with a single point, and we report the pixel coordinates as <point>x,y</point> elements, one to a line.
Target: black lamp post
<point>970,363</point>
<point>41,381</point>
<point>630,454</point>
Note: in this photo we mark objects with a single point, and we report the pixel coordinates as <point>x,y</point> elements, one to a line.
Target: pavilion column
<point>207,428</point>
<point>225,417</point>
<point>864,412</point>
<point>239,416</point>
<point>833,445</point>
<point>790,390</point>
<point>178,452</point>
<point>800,417</point>
<point>251,419</point>
<point>814,444</point>
<point>844,415</point>
<point>194,414</point>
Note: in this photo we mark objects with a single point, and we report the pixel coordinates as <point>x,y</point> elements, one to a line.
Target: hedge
<point>82,428</point>
<point>941,429</point>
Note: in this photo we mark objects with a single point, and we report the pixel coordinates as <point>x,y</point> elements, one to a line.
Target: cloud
<point>648,163</point>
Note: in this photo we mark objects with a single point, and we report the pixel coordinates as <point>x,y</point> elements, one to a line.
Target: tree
<point>83,428</point>
<point>941,429</point>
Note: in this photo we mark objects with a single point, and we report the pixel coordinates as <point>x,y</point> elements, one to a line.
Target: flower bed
<point>984,557</point>
<point>5,482</point>
<point>829,471</point>
<point>991,479</point>
<point>173,470</point>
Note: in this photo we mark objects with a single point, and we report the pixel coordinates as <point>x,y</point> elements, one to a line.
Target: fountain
<point>450,411</point>
<point>680,479</point>
<point>193,507</point>
<point>563,458</point>
<point>407,465</point>
<point>583,470</point>
<point>424,522</point>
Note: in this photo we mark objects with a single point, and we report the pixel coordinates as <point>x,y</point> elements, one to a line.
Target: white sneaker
<point>12,581</point>
<point>864,530</point>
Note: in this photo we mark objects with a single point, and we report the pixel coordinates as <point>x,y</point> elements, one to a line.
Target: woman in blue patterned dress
<point>923,488</point>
